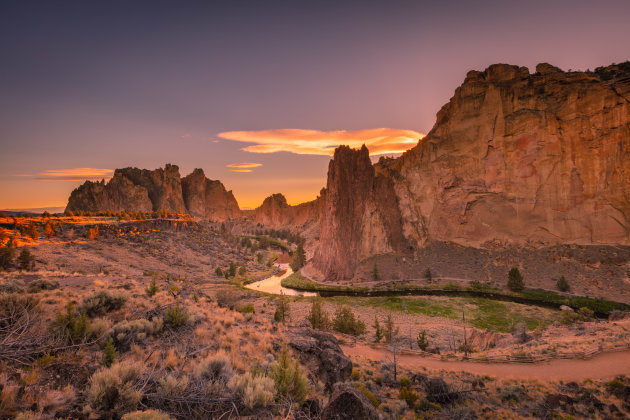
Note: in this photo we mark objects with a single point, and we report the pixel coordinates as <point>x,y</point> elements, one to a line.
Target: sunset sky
<point>256,93</point>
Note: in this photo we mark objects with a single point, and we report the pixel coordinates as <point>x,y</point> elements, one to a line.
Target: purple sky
<point>86,84</point>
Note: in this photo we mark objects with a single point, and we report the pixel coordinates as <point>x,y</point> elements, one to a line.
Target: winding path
<point>601,366</point>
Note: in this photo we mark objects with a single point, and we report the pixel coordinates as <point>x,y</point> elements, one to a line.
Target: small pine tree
<point>428,275</point>
<point>218,272</point>
<point>49,229</point>
<point>242,271</point>
<point>232,270</point>
<point>32,231</point>
<point>375,275</point>
<point>318,317</point>
<point>299,258</point>
<point>109,352</point>
<point>291,383</point>
<point>390,331</point>
<point>515,280</point>
<point>563,285</point>
<point>423,343</point>
<point>345,322</point>
<point>7,256</point>
<point>26,260</point>
<point>153,288</point>
<point>282,309</point>
<point>378,330</point>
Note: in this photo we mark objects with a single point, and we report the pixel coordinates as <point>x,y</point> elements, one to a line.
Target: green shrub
<point>291,383</point>
<point>153,288</point>
<point>408,395</point>
<point>345,322</point>
<point>282,313</point>
<point>26,260</point>
<point>101,303</point>
<point>73,327</point>
<point>218,272</point>
<point>7,256</point>
<point>423,343</point>
<point>318,317</point>
<point>390,332</point>
<point>115,390</point>
<point>515,280</point>
<point>378,330</point>
<point>299,258</point>
<point>43,284</point>
<point>373,400</point>
<point>175,316</point>
<point>563,284</point>
<point>242,271</point>
<point>109,352</point>
<point>247,309</point>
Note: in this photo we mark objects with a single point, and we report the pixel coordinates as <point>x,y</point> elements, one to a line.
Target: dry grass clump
<point>215,368</point>
<point>126,332</point>
<point>147,415</point>
<point>255,391</point>
<point>115,390</point>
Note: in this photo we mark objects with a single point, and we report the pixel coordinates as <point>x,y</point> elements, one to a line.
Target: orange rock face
<point>275,212</point>
<point>514,158</point>
<point>133,189</point>
<point>519,158</point>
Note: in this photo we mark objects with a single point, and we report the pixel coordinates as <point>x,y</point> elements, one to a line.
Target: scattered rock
<point>347,402</point>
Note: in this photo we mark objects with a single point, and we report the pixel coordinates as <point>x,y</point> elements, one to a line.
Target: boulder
<point>321,353</point>
<point>347,402</point>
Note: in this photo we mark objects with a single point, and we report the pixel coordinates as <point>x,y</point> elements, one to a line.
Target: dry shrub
<point>215,368</point>
<point>172,360</point>
<point>255,391</point>
<point>127,332</point>
<point>115,390</point>
<point>8,396</point>
<point>173,386</point>
<point>227,298</point>
<point>101,303</point>
<point>147,415</point>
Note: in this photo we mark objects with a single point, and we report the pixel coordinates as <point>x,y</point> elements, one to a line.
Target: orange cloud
<point>240,170</point>
<point>314,142</point>
<point>244,165</point>
<point>75,174</point>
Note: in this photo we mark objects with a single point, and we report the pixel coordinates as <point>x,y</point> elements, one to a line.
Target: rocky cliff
<point>514,158</point>
<point>359,215</point>
<point>133,189</point>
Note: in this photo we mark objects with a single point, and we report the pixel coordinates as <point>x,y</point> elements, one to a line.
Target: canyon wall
<point>513,159</point>
<point>275,212</point>
<point>133,189</point>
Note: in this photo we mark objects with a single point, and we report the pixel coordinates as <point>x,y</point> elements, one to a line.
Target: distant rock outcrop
<point>514,158</point>
<point>208,199</point>
<point>133,189</point>
<point>275,212</point>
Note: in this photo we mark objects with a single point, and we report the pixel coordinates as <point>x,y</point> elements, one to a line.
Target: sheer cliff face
<point>518,158</point>
<point>359,215</point>
<point>514,158</point>
<point>133,189</point>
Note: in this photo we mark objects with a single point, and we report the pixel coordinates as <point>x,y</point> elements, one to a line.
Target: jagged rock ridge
<point>133,189</point>
<point>514,158</point>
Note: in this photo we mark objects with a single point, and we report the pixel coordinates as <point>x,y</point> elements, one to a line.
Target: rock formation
<point>359,215</point>
<point>275,212</point>
<point>208,199</point>
<point>133,189</point>
<point>347,402</point>
<point>514,158</point>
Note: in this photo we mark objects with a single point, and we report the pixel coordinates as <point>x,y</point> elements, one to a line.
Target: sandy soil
<point>273,284</point>
<point>602,366</point>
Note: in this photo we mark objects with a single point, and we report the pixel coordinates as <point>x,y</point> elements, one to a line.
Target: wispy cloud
<point>244,165</point>
<point>314,142</point>
<point>185,136</point>
<point>240,170</point>
<point>75,174</point>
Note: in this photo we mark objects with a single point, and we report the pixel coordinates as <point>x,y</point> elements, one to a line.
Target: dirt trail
<point>273,284</point>
<point>601,366</point>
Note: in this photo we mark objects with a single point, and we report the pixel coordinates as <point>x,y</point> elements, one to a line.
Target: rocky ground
<point>200,345</point>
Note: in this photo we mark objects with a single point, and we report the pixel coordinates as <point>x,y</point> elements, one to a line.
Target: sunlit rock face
<point>275,212</point>
<point>359,215</point>
<point>514,158</point>
<point>518,158</point>
<point>133,189</point>
<point>208,199</point>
